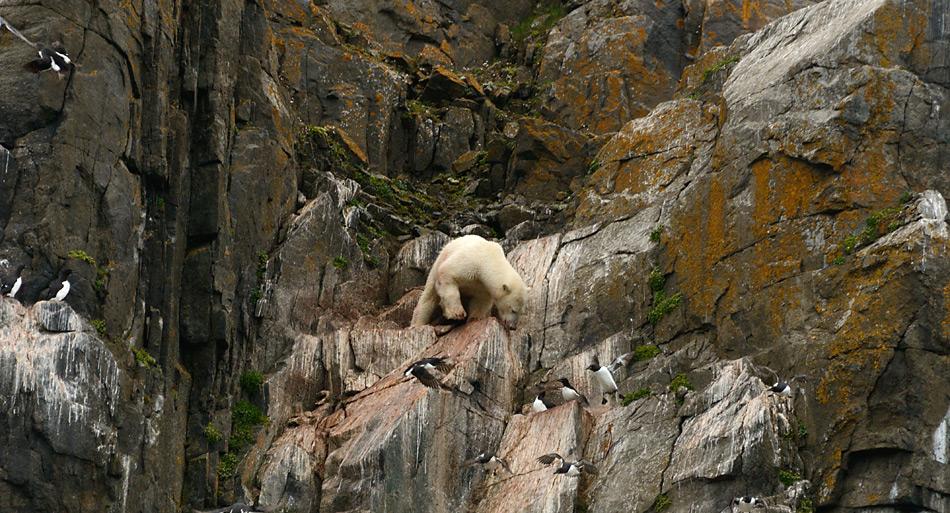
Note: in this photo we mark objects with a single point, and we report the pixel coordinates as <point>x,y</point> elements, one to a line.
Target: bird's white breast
<point>538,405</point>
<point>605,379</point>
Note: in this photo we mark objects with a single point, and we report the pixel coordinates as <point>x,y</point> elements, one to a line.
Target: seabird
<point>605,378</point>
<point>422,371</point>
<point>489,460</point>
<point>781,388</point>
<point>620,362</point>
<point>747,504</point>
<point>571,468</point>
<point>13,289</point>
<point>53,58</point>
<point>50,58</point>
<point>428,364</point>
<point>569,393</point>
<point>538,405</point>
<point>64,285</point>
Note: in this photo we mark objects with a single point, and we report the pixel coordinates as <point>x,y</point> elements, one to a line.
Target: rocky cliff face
<point>248,193</point>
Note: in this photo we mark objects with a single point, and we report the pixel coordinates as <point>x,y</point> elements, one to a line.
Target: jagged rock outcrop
<point>249,213</point>
<point>81,420</point>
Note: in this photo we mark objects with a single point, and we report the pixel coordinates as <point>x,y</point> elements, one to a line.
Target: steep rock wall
<point>252,186</point>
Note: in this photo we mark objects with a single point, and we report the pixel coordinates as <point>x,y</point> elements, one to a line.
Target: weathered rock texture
<point>250,192</point>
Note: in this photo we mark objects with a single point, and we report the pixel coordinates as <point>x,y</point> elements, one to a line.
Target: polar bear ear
<point>505,287</point>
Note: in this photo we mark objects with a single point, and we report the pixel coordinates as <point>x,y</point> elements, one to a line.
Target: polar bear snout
<point>510,321</point>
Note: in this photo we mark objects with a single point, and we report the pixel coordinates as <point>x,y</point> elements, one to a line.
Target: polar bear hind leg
<point>422,314</point>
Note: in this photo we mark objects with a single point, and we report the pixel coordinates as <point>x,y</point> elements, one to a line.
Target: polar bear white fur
<point>473,270</point>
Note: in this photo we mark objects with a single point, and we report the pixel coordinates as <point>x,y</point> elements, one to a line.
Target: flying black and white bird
<point>747,504</point>
<point>63,287</point>
<point>569,393</point>
<point>238,507</point>
<point>489,461</point>
<point>571,468</point>
<point>51,58</point>
<point>12,289</point>
<point>620,362</point>
<point>422,370</point>
<point>538,405</point>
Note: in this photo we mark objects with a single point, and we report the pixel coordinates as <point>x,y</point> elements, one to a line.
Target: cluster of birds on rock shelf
<point>51,58</point>
<point>58,289</point>
<point>424,371</point>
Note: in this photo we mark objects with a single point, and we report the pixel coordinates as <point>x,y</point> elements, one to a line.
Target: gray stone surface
<point>252,187</point>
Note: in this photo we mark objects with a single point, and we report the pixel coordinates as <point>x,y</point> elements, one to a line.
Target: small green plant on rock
<point>545,16</point>
<point>805,505</point>
<point>656,234</point>
<point>227,465</point>
<point>662,503</point>
<point>261,265</point>
<point>645,352</point>
<point>212,435</point>
<point>788,477</point>
<point>593,167</point>
<point>420,109</point>
<point>245,417</point>
<point>100,326</point>
<point>635,395</point>
<point>802,431</point>
<point>719,66</point>
<point>662,305</point>
<point>680,380</point>
<point>102,274</point>
<point>839,260</point>
<point>340,262</point>
<point>251,382</point>
<point>657,280</point>
<point>144,358</point>
<point>82,256</point>
<point>849,244</point>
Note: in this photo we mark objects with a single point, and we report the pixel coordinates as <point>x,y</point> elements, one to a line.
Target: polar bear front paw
<point>456,314</point>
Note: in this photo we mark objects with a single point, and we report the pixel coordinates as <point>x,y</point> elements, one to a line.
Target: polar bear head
<point>510,304</point>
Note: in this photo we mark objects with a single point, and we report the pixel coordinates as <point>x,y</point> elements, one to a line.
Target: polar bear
<point>475,269</point>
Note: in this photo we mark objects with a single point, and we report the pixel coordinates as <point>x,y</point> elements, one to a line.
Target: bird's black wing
<point>425,378</point>
<point>481,458</point>
<point>38,65</point>
<point>549,458</point>
<point>586,466</point>
<point>443,364</point>
<point>620,362</point>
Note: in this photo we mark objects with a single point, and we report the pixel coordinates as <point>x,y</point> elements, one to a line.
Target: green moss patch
<point>635,395</point>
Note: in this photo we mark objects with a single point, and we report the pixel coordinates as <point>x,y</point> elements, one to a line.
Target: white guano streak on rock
<point>66,375</point>
<point>737,413</point>
<point>940,439</point>
<point>126,467</point>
